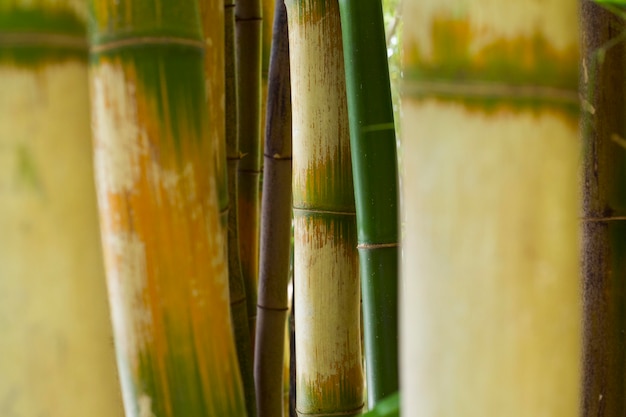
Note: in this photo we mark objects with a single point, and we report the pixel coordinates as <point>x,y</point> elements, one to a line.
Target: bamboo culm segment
<point>239,292</point>
<point>326,285</point>
<point>248,21</point>
<point>604,210</point>
<point>159,212</point>
<point>55,321</point>
<point>373,146</point>
<point>491,299</point>
<point>273,302</point>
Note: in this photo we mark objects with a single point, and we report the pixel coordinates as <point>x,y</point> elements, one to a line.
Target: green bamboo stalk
<point>159,211</point>
<point>603,91</point>
<point>326,284</point>
<point>219,24</point>
<point>238,286</point>
<point>248,17</point>
<point>491,303</point>
<point>373,146</point>
<point>56,329</point>
<point>273,302</point>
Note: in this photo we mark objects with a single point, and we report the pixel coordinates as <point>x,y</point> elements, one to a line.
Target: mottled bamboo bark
<point>54,318</point>
<point>604,265</point>
<point>159,211</point>
<point>491,287</point>
<point>327,319</point>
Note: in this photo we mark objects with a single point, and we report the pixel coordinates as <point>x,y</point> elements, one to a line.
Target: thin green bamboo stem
<point>273,302</point>
<point>373,147</point>
<point>248,17</point>
<point>603,89</point>
<point>326,284</point>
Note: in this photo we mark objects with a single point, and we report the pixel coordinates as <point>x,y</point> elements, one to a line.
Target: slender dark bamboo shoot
<point>275,228</point>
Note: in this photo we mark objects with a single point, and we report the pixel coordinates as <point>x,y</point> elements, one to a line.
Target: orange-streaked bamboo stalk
<point>329,377</point>
<point>159,211</point>
<point>491,300</point>
<point>56,355</point>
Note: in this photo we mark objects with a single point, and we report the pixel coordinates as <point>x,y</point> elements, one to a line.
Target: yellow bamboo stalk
<point>56,352</point>
<point>329,375</point>
<point>491,297</point>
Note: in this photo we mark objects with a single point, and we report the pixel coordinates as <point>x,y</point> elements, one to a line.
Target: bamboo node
<point>319,211</point>
<point>603,219</point>
<point>41,39</point>
<point>148,40</point>
<point>352,412</point>
<point>377,245</point>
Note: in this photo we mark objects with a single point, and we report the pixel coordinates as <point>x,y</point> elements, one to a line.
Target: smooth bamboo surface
<point>273,301</point>
<point>604,264</point>
<point>56,352</point>
<point>248,17</point>
<point>374,162</point>
<point>491,295</point>
<point>329,376</point>
<point>159,211</point>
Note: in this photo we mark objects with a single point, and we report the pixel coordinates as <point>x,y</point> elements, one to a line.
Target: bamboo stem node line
<point>338,413</point>
<point>378,127</point>
<point>489,90</point>
<point>238,301</point>
<point>43,39</point>
<point>278,157</point>
<point>148,40</point>
<point>272,308</point>
<point>318,211</point>
<point>377,245</point>
<point>602,219</point>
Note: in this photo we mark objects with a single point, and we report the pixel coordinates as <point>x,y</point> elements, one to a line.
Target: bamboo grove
<point>204,210</point>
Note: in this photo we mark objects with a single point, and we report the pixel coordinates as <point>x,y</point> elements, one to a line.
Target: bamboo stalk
<point>157,193</point>
<point>238,286</point>
<point>603,90</point>
<point>273,302</point>
<point>328,350</point>
<point>248,16</point>
<point>56,331</point>
<point>373,146</point>
<point>491,297</point>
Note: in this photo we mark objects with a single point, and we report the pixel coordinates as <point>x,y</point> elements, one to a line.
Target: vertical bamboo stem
<point>328,349</point>
<point>373,146</point>
<point>603,89</point>
<point>491,298</point>
<point>248,16</point>
<point>159,211</point>
<point>56,355</point>
<point>275,228</point>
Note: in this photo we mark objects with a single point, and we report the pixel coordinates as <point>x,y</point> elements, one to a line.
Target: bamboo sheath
<point>603,88</point>
<point>248,17</point>
<point>56,355</point>
<point>491,292</point>
<point>159,211</point>
<point>273,302</point>
<point>373,146</point>
<point>329,376</point>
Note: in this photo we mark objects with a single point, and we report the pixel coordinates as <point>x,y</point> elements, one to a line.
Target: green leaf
<point>389,407</point>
